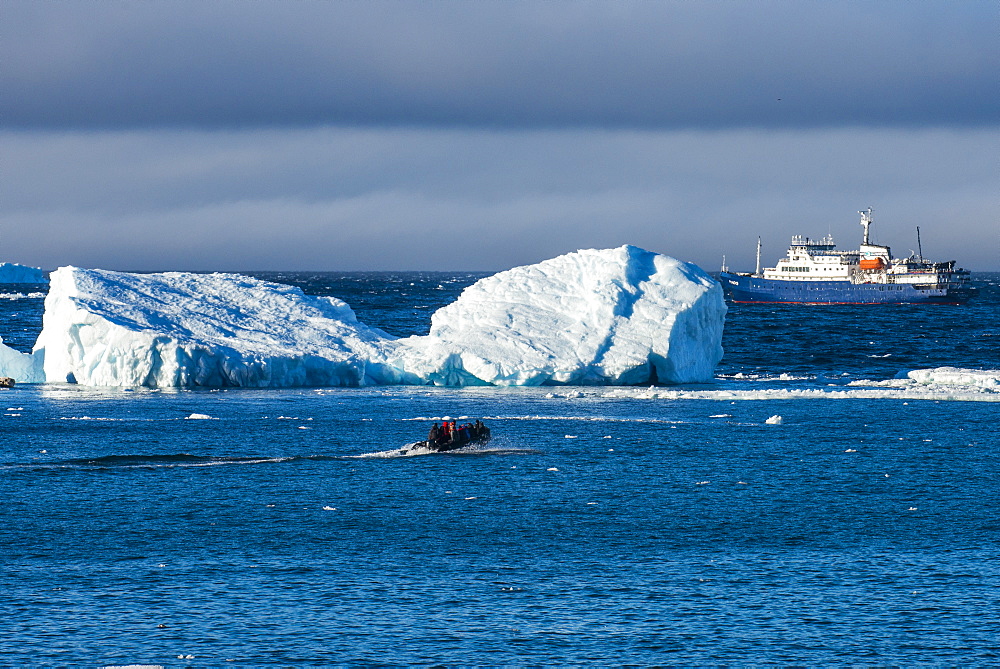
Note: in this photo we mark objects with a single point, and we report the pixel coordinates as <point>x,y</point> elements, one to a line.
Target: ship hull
<point>749,289</point>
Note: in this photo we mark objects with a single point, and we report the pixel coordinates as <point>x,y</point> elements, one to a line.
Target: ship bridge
<point>812,246</point>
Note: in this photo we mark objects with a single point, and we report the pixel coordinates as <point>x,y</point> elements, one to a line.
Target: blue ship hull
<point>747,289</point>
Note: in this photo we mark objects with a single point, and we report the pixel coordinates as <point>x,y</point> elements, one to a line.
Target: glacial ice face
<point>107,328</point>
<point>14,273</point>
<point>613,316</point>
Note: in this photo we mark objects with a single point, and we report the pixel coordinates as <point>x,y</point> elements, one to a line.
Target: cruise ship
<point>815,272</point>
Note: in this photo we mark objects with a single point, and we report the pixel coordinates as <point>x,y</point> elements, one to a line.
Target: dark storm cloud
<point>505,65</point>
<point>372,198</point>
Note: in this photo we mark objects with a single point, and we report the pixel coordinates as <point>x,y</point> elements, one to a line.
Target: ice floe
<point>942,383</point>
<point>955,377</point>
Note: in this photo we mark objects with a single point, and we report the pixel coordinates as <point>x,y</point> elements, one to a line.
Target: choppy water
<point>602,526</point>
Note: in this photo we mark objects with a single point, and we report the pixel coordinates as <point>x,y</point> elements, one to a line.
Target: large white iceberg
<point>615,316</point>
<point>106,328</point>
<point>14,273</point>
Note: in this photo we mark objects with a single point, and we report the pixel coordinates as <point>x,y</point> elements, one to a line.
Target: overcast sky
<point>482,135</point>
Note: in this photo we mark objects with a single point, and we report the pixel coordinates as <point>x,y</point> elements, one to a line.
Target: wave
<point>139,461</point>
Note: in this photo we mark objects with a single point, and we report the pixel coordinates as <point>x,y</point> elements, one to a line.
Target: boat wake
<point>412,450</point>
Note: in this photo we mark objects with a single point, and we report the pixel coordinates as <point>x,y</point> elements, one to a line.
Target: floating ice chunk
<point>14,273</point>
<point>22,367</point>
<point>200,416</point>
<point>552,469</point>
<point>774,420</point>
<point>329,508</point>
<point>615,316</point>
<point>985,379</point>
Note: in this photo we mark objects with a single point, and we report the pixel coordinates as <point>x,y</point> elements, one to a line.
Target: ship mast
<point>866,220</point>
<point>920,251</point>
<point>757,273</point>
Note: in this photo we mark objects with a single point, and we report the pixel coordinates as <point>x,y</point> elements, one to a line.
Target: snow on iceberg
<point>107,328</point>
<point>615,316</point>
<point>14,273</point>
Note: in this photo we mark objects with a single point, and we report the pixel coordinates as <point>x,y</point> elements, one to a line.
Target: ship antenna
<point>920,251</point>
<point>866,220</point>
<point>757,273</point>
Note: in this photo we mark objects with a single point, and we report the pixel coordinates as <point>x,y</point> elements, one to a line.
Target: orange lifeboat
<point>872,263</point>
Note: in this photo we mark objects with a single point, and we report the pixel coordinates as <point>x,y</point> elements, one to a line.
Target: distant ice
<point>774,420</point>
<point>14,273</point>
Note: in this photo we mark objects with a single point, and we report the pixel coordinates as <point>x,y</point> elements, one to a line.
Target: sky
<point>477,135</point>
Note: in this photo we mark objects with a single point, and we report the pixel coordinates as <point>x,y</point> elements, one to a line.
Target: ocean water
<point>601,526</point>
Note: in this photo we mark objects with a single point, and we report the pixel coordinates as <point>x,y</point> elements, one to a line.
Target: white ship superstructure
<point>815,271</point>
<point>818,260</point>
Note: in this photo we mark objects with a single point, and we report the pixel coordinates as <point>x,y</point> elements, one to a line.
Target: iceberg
<point>176,329</point>
<point>593,317</point>
<point>14,273</point>
<point>19,366</point>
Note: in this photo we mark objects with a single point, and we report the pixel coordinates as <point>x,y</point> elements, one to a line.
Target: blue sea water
<point>284,527</point>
